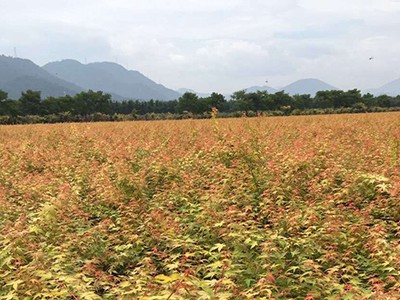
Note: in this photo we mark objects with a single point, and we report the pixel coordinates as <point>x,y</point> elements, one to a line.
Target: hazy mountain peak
<point>111,78</point>
<point>391,88</point>
<point>254,89</point>
<point>108,66</point>
<point>18,75</point>
<point>71,61</point>
<point>307,86</point>
<point>184,90</point>
<point>199,94</point>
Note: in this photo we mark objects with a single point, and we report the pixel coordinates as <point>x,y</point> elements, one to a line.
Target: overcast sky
<point>214,45</point>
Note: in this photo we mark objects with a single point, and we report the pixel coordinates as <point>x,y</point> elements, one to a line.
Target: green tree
<point>383,101</point>
<point>395,101</point>
<point>53,105</point>
<point>8,107</point>
<point>239,101</point>
<point>266,101</point>
<point>190,102</point>
<point>30,102</point>
<point>368,99</point>
<point>3,95</point>
<point>216,100</point>
<point>346,99</point>
<point>254,101</point>
<point>282,99</point>
<point>90,102</point>
<point>324,99</point>
<point>302,101</point>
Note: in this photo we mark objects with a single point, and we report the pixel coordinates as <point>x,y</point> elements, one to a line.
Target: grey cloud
<point>213,45</point>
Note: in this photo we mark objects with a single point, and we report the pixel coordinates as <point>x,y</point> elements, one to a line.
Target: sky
<point>214,45</point>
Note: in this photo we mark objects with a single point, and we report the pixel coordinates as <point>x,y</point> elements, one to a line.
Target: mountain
<point>391,89</point>
<point>254,89</point>
<point>307,86</point>
<point>18,75</point>
<point>110,78</point>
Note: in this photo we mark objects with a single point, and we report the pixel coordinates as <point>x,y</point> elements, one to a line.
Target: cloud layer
<point>215,45</point>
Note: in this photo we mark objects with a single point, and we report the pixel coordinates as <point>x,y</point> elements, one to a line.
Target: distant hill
<point>307,86</point>
<point>254,89</point>
<point>391,89</point>
<point>18,75</point>
<point>110,78</point>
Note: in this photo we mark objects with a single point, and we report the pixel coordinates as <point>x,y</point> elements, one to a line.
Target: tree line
<point>85,104</point>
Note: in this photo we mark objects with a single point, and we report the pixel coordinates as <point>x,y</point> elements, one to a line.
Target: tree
<point>368,99</point>
<point>216,100</point>
<point>324,99</point>
<point>282,99</point>
<point>254,100</point>
<point>243,101</point>
<point>8,107</point>
<point>190,102</point>
<point>395,101</point>
<point>346,99</point>
<point>266,101</point>
<point>30,102</point>
<point>90,102</point>
<point>53,105</point>
<point>302,101</point>
<point>383,101</point>
<point>260,101</point>
<point>3,95</point>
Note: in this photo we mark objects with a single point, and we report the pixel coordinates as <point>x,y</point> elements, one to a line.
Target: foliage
<point>266,208</point>
<point>98,106</point>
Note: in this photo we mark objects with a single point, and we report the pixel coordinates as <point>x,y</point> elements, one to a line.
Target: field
<point>261,208</point>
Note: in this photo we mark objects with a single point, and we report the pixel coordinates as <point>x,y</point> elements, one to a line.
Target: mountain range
<point>391,89</point>
<point>307,86</point>
<point>69,77</point>
<point>312,86</point>
<point>254,89</point>
<point>18,75</point>
<point>110,78</point>
<point>303,86</point>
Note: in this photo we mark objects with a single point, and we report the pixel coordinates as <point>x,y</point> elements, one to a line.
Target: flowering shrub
<point>300,207</point>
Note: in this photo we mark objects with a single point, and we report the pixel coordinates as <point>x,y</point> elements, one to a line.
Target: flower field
<point>263,208</point>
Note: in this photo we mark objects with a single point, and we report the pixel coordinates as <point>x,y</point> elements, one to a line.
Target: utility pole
<point>15,52</point>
